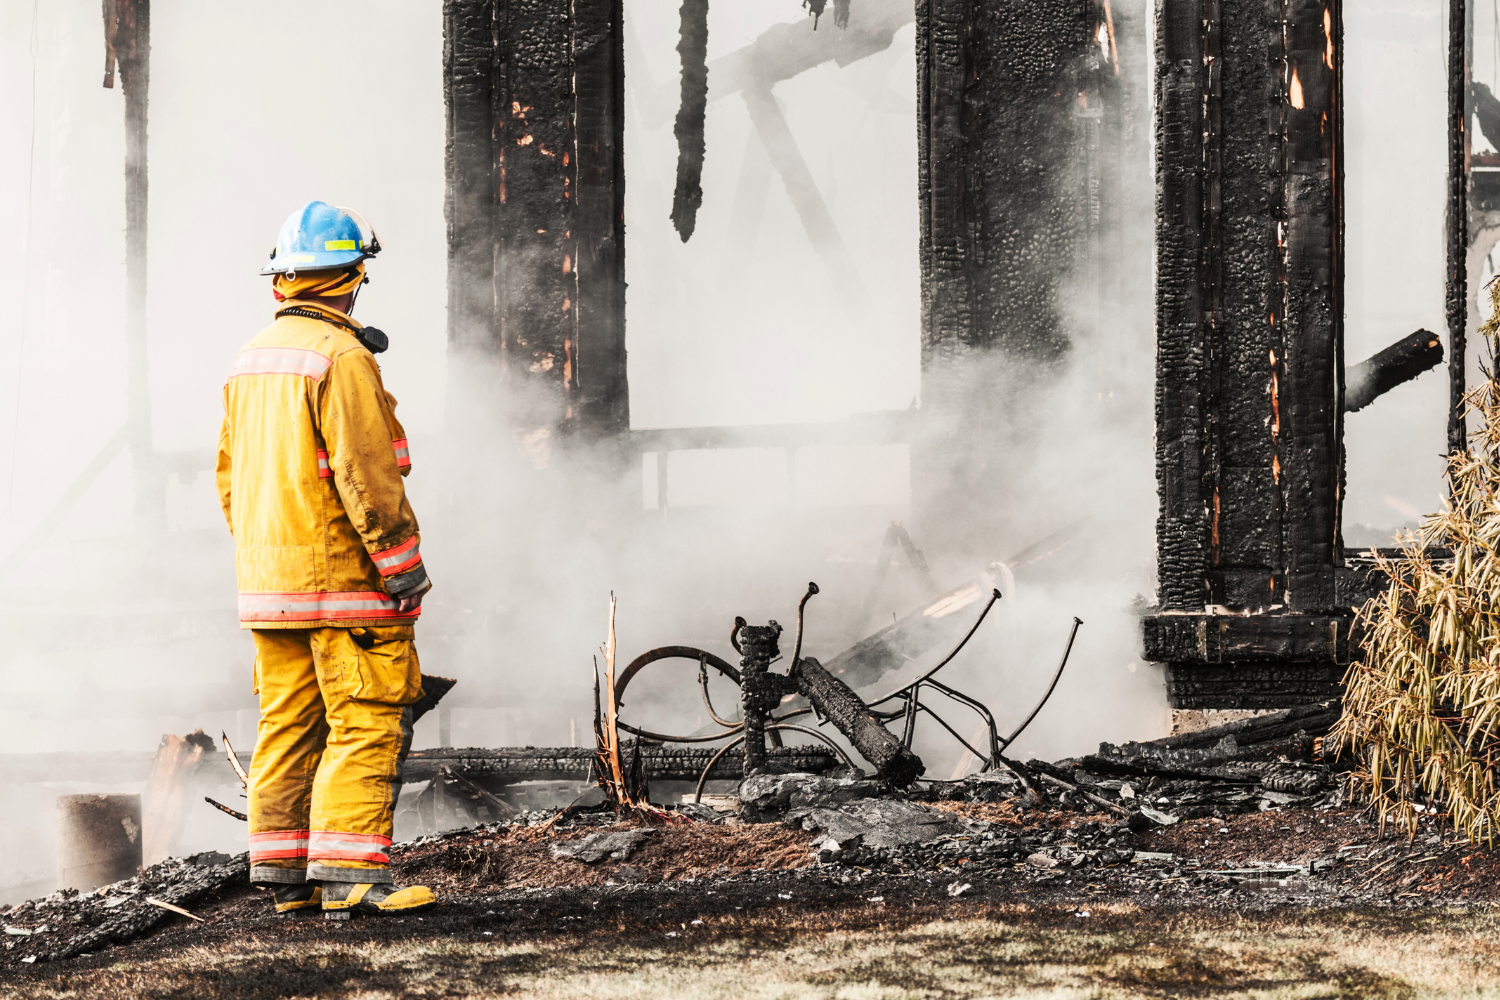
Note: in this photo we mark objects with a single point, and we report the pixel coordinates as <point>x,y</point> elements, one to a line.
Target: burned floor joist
<point>1249,308</point>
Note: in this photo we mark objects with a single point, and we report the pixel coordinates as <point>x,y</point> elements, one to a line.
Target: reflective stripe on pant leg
<point>288,745</point>
<point>365,690</point>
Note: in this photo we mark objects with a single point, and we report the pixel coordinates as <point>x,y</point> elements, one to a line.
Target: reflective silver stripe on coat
<point>280,361</point>
<point>261,606</point>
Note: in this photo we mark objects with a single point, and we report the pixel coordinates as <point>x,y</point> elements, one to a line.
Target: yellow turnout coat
<point>310,466</point>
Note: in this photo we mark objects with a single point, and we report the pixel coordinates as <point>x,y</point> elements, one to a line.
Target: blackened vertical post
<point>536,254</point>
<point>132,45</point>
<point>470,196</point>
<point>1249,308</point>
<point>1310,411</point>
<point>598,228</point>
<point>759,693</point>
<point>1457,220</point>
<point>1187,266</point>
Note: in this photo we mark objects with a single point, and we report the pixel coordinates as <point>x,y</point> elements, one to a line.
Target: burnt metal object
<point>692,48</point>
<point>891,648</point>
<point>1249,310</point>
<point>1401,362</point>
<point>1047,696</point>
<point>911,704</point>
<point>535,187</point>
<point>1456,218</point>
<point>773,727</point>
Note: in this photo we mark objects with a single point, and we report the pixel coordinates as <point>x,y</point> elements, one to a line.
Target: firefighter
<point>309,469</point>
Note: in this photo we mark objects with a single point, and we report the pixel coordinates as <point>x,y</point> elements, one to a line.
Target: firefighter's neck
<point>343,303</point>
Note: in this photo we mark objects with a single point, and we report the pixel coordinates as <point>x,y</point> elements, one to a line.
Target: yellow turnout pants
<point>327,753</point>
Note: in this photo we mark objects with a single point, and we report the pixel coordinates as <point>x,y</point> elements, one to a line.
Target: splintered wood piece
<point>234,761</point>
<point>175,909</point>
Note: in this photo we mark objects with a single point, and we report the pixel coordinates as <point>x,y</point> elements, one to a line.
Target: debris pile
<point>69,923</point>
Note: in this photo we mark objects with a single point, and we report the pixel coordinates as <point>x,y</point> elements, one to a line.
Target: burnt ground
<point>1310,902</point>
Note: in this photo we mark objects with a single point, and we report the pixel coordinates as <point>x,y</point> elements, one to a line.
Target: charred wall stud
<point>1250,351</point>
<point>535,208</point>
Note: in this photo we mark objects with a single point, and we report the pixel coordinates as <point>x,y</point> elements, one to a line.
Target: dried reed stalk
<point>1422,708</point>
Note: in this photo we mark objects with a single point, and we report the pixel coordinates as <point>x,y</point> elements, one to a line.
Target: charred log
<point>1401,362</point>
<point>841,706</point>
<point>509,765</point>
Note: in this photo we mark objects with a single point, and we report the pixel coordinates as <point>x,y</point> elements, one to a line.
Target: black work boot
<point>304,897</point>
<point>341,899</point>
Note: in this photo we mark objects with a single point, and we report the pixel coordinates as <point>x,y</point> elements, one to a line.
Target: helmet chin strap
<point>356,294</point>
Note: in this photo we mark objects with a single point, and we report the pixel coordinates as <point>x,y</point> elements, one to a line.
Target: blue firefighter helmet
<point>319,236</point>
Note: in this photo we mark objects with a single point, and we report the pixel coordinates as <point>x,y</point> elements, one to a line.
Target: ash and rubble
<point>1236,819</point>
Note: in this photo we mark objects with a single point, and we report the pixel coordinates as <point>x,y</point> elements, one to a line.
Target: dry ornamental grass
<point>1421,709</point>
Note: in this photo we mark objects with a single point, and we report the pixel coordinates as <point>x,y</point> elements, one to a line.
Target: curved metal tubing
<point>663,738</point>
<point>666,653</point>
<point>812,588</point>
<point>1050,688</point>
<point>994,596</point>
<point>709,705</point>
<point>703,778</point>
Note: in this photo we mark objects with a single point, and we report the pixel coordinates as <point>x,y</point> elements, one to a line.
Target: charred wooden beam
<point>1315,719</point>
<point>1249,304</point>
<point>1011,101</point>
<point>787,50</point>
<point>1456,218</point>
<point>509,765</point>
<point>1249,347</point>
<point>1188,638</point>
<point>692,49</point>
<point>127,31</point>
<point>1401,362</point>
<point>535,210</point>
<point>760,690</point>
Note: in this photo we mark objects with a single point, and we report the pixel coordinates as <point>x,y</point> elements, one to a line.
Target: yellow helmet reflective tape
<point>343,245</point>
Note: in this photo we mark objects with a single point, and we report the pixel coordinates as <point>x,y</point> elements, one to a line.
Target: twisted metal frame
<point>909,699</point>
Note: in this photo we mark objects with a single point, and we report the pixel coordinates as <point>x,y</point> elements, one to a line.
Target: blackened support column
<point>1249,352</point>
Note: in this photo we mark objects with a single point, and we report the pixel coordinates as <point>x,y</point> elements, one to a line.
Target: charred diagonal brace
<point>1401,362</point>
